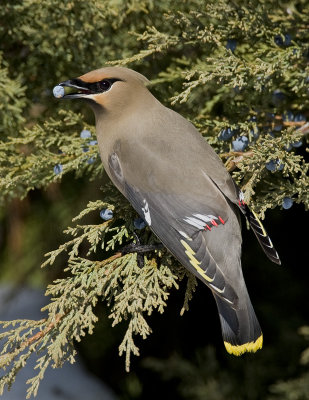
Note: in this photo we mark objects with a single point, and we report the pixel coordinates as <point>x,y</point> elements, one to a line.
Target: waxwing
<point>179,186</point>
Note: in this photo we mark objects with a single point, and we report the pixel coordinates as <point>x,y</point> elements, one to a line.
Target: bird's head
<point>107,88</point>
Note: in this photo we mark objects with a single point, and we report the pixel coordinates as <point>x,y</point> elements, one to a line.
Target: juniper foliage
<point>237,70</point>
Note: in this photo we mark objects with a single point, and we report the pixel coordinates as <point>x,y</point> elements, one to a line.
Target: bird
<point>177,183</point>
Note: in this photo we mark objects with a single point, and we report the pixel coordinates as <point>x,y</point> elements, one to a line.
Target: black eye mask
<point>94,87</point>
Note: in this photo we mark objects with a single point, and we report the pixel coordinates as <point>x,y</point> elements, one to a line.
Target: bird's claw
<point>140,249</point>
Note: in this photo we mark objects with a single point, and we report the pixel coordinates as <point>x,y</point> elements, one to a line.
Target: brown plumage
<point>178,184</point>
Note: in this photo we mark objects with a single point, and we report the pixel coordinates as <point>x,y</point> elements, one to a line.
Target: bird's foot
<point>139,248</point>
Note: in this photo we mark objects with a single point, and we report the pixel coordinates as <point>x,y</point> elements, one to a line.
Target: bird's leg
<point>140,260</point>
<point>143,248</point>
<point>137,239</point>
<point>140,256</point>
<point>137,247</point>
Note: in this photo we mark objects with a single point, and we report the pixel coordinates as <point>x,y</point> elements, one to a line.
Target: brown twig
<point>236,153</point>
<point>111,259</point>
<point>231,163</point>
<point>304,129</point>
<point>7,358</point>
<point>42,333</point>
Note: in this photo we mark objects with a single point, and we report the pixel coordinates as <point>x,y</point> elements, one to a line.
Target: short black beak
<point>82,91</point>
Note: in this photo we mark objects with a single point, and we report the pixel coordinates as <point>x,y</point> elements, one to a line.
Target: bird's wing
<point>199,225</point>
<point>194,230</point>
<point>259,231</point>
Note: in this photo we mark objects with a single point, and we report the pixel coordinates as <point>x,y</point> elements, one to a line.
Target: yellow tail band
<point>250,347</point>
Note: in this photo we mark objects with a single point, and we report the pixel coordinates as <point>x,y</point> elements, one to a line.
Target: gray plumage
<point>178,184</point>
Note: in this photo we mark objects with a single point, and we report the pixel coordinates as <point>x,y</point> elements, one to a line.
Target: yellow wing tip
<point>250,347</point>
<point>261,225</point>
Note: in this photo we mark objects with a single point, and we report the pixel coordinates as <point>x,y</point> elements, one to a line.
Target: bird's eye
<point>100,86</point>
<point>104,85</point>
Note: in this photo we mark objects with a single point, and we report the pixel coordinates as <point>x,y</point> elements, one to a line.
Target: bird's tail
<point>241,330</point>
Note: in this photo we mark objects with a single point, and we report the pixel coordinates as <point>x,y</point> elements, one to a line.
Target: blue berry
<point>288,116</point>
<point>226,134</point>
<point>92,143</point>
<point>139,223</point>
<point>278,96</point>
<point>58,169</point>
<point>85,149</point>
<point>283,40</point>
<point>58,91</point>
<point>274,165</point>
<point>271,165</point>
<point>287,203</point>
<point>288,39</point>
<point>85,134</point>
<point>277,128</point>
<point>240,143</point>
<point>278,40</point>
<point>297,144</point>
<point>288,148</point>
<point>106,214</point>
<point>299,118</point>
<point>91,160</point>
<point>231,44</point>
